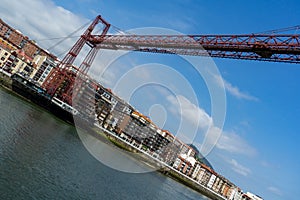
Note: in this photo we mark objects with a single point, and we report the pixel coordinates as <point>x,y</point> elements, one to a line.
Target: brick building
<point>18,41</point>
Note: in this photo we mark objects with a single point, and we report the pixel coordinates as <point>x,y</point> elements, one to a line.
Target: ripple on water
<point>42,158</point>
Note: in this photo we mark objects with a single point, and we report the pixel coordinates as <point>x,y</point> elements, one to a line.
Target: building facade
<point>18,41</point>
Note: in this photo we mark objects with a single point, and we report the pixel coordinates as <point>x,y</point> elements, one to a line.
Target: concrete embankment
<point>5,81</point>
<point>191,184</point>
<point>166,170</point>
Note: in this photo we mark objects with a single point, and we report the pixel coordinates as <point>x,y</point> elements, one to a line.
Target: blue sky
<point>259,144</point>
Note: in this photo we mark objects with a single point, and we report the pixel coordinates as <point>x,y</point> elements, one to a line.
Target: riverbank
<point>44,159</point>
<point>140,156</point>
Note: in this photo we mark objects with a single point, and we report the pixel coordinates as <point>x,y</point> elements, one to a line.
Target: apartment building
<point>43,67</point>
<point>18,41</point>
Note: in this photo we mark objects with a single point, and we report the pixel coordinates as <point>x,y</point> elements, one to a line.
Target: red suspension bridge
<point>271,47</point>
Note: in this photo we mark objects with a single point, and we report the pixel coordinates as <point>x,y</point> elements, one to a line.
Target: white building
<point>251,196</point>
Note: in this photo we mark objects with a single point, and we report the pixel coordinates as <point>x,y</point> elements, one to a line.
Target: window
<point>27,69</point>
<point>23,43</point>
<point>7,34</point>
<point>12,57</point>
<point>2,58</point>
<point>37,52</point>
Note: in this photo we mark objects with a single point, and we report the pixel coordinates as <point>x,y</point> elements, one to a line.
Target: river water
<point>41,157</point>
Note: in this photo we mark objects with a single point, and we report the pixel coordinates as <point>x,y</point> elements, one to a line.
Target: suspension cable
<point>291,28</point>
<point>71,35</point>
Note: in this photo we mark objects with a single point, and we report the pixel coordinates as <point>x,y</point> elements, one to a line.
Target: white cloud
<point>193,113</point>
<point>194,123</point>
<point>234,90</point>
<point>211,139</point>
<point>41,20</point>
<point>238,168</point>
<point>275,190</point>
<point>234,143</point>
<point>215,137</point>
